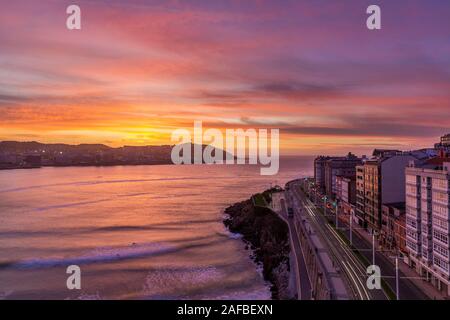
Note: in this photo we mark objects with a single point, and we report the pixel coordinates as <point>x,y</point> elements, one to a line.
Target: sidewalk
<point>410,273</point>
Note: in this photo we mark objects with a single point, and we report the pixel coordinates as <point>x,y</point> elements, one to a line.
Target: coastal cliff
<point>267,235</point>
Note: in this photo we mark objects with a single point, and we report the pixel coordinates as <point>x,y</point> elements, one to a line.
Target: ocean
<point>136,232</point>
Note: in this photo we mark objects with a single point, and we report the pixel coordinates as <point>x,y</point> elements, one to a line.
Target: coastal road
<point>407,289</point>
<point>303,281</point>
<point>351,267</point>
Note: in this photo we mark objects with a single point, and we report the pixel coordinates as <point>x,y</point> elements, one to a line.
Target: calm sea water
<point>137,232</point>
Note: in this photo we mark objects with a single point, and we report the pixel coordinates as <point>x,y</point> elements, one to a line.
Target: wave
<point>255,294</point>
<point>97,182</point>
<point>69,205</point>
<point>102,255</point>
<point>5,294</point>
<point>171,282</point>
<point>202,282</point>
<point>86,296</point>
<point>96,256</point>
<point>170,225</point>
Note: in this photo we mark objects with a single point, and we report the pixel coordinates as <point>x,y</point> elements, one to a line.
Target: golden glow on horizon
<point>133,75</point>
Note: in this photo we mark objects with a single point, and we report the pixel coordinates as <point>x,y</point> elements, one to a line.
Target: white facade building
<point>427,221</point>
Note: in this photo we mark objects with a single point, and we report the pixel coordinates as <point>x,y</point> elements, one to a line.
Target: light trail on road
<point>353,269</point>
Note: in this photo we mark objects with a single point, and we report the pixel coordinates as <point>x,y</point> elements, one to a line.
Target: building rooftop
<point>438,161</point>
<point>382,152</point>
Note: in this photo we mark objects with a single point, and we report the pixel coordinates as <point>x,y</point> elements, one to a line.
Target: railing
<point>312,260</point>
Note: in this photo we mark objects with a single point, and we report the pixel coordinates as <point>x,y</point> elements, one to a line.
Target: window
<point>411,222</point>
<point>411,179</point>
<point>440,263</point>
<point>411,245</point>
<point>412,234</point>
<point>440,184</point>
<point>440,211</point>
<point>412,190</point>
<point>411,201</point>
<point>438,235</point>
<point>441,223</point>
<point>440,196</point>
<point>411,212</point>
<point>440,250</point>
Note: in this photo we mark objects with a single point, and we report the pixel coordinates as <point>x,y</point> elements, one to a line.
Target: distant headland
<point>24,155</point>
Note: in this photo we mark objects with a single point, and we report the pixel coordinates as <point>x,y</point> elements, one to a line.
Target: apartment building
<point>346,194</point>
<point>326,168</point>
<point>319,171</point>
<point>380,181</point>
<point>339,166</point>
<point>360,192</point>
<point>427,220</point>
<point>393,227</point>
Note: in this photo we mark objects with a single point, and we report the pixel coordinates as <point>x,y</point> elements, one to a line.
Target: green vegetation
<point>265,198</point>
<point>259,200</point>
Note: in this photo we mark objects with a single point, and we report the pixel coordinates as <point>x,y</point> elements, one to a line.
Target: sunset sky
<point>137,70</point>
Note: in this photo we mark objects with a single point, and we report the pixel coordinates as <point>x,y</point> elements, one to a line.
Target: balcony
<point>442,202</point>
<point>411,183</point>
<point>440,255</point>
<point>440,188</point>
<point>438,241</point>
<point>413,251</point>
<point>440,229</point>
<point>412,239</point>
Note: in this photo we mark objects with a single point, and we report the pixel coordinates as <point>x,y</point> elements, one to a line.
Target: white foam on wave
<point>251,294</point>
<point>234,236</point>
<point>87,296</point>
<point>173,282</point>
<point>5,294</point>
<point>104,254</point>
<point>229,234</point>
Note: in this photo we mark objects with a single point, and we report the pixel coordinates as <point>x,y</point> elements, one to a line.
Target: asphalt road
<point>303,281</point>
<point>350,266</point>
<point>407,289</point>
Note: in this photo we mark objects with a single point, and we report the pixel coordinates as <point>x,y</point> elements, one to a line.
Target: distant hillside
<point>15,146</point>
<point>15,154</point>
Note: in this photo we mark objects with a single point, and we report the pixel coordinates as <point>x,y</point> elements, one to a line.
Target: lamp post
<point>325,205</point>
<point>397,277</point>
<point>351,226</point>
<point>397,294</point>
<point>336,210</point>
<point>373,247</point>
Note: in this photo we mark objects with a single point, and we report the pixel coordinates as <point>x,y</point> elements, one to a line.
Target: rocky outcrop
<point>268,237</point>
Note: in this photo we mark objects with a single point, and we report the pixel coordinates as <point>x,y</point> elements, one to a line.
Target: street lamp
<point>397,294</point>
<point>397,278</point>
<point>373,247</point>
<point>351,226</point>
<point>336,210</point>
<point>325,205</point>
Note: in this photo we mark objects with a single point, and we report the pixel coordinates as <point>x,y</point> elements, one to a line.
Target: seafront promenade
<point>318,277</point>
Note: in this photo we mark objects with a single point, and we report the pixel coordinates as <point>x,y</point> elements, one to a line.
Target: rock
<point>268,236</point>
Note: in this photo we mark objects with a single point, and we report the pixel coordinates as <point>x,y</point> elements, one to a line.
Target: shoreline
<point>88,165</point>
<point>267,236</point>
